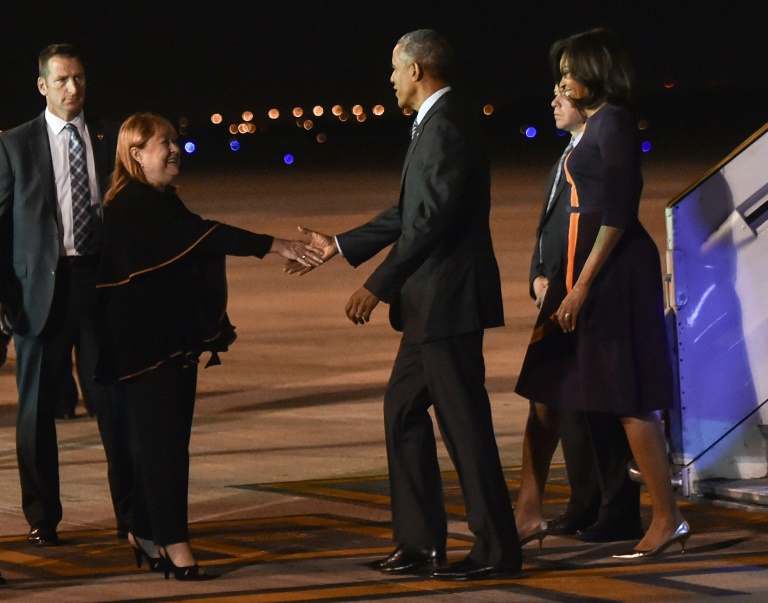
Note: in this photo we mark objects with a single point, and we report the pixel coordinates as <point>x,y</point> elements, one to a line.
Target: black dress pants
<point>43,363</point>
<point>161,403</point>
<point>448,374</point>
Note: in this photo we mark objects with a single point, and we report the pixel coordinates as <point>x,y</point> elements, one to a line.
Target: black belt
<point>82,261</point>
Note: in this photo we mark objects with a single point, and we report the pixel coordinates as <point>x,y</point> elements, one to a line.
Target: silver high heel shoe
<point>681,535</point>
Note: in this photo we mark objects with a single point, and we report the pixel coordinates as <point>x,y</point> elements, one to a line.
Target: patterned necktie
<point>81,193</point>
<point>414,127</point>
<point>558,175</point>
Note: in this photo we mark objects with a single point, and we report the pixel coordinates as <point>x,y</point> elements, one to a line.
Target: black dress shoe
<point>610,533</point>
<point>66,415</point>
<point>565,525</point>
<point>43,537</point>
<point>469,569</point>
<point>409,559</point>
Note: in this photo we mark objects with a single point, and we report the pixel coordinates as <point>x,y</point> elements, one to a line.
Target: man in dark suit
<point>442,283</point>
<point>604,502</point>
<point>53,173</point>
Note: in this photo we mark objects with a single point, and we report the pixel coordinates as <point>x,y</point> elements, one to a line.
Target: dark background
<point>192,59</point>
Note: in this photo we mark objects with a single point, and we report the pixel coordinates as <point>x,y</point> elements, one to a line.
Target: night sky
<point>197,58</point>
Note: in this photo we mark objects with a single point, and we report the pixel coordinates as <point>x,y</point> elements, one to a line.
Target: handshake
<point>308,256</point>
<point>305,257</point>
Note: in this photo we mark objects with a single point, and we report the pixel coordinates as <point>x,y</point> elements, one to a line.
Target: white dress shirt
<point>58,136</point>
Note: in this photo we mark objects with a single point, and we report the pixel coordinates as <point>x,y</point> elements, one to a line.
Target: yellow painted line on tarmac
<point>378,589</point>
<point>56,566</point>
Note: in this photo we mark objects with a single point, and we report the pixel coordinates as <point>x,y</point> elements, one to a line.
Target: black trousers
<point>161,403</point>
<point>581,466</point>
<point>448,374</point>
<point>620,502</point>
<point>43,363</point>
<point>596,453</point>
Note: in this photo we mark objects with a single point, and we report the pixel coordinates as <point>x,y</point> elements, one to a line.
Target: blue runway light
<point>234,145</point>
<point>190,147</point>
<point>530,132</point>
<point>646,146</point>
<point>288,159</point>
<point>561,132</point>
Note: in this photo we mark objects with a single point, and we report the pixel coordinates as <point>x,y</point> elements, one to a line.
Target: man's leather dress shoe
<point>469,569</point>
<point>408,559</point>
<point>610,533</point>
<point>565,525</point>
<point>43,537</point>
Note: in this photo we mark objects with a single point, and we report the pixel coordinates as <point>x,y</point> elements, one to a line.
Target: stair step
<point>754,491</point>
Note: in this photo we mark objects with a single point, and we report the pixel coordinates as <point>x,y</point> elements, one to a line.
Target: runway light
<point>216,118</point>
<point>288,159</point>
<point>273,114</point>
<point>642,124</point>
<point>362,117</point>
<point>321,138</point>
<point>247,116</point>
<point>488,109</point>
<point>183,122</point>
<point>233,129</point>
<point>343,116</point>
<point>251,128</point>
<point>669,85</point>
<point>234,145</point>
<point>357,110</point>
<point>530,132</point>
<point>309,124</point>
<point>407,111</point>
<point>378,110</point>
<point>242,128</point>
<point>337,110</point>
<point>190,147</point>
<point>561,132</point>
<point>646,146</point>
<point>298,112</point>
<point>318,111</point>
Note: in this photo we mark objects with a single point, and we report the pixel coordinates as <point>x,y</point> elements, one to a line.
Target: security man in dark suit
<point>53,172</point>
<point>442,283</point>
<point>604,502</point>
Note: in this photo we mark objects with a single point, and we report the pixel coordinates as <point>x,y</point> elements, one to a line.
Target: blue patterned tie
<point>414,127</point>
<point>81,193</point>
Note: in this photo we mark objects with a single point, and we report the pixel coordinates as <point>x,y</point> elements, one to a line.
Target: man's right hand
<point>540,285</point>
<point>325,243</point>
<point>5,321</point>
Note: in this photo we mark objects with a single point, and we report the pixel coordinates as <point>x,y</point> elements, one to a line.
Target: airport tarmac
<point>288,491</point>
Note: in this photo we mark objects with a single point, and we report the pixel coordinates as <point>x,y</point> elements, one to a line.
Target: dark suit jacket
<point>551,232</point>
<point>28,210</point>
<point>440,277</point>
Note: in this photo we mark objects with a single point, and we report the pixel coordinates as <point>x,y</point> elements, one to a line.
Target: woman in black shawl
<point>163,303</point>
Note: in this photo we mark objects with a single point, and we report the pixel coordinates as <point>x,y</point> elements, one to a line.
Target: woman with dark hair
<point>163,300</point>
<point>600,344</point>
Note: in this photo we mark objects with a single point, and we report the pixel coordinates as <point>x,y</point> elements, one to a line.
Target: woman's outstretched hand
<point>323,244</point>
<point>297,252</point>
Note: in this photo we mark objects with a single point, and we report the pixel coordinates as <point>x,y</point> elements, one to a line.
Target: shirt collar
<point>57,124</point>
<point>427,104</point>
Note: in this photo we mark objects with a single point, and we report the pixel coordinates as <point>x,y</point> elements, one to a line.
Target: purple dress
<point>617,359</point>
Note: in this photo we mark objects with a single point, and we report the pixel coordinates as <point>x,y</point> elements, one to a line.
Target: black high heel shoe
<point>190,572</point>
<point>540,533</point>
<point>155,564</point>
